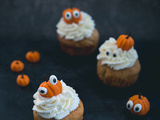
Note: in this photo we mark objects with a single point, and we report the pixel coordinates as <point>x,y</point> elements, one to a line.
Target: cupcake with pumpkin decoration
<point>76,31</point>
<point>118,63</point>
<point>54,100</point>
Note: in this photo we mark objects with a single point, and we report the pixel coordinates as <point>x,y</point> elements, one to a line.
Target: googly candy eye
<point>68,15</point>
<point>108,52</point>
<point>42,90</point>
<point>115,54</point>
<point>76,13</point>
<point>129,105</point>
<point>137,108</point>
<point>53,79</point>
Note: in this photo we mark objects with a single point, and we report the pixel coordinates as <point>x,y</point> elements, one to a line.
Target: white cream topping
<point>76,32</point>
<point>115,57</point>
<point>58,106</point>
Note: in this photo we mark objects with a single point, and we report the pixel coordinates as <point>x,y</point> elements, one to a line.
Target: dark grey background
<point>30,25</point>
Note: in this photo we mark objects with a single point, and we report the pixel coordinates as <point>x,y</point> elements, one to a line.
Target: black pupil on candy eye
<point>67,15</point>
<point>129,106</point>
<point>76,14</point>
<point>42,91</point>
<point>54,80</point>
<point>107,53</point>
<point>137,109</point>
<point>114,55</point>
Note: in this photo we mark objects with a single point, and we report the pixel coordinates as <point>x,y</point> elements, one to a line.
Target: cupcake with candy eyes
<point>54,100</point>
<point>118,63</point>
<point>77,34</point>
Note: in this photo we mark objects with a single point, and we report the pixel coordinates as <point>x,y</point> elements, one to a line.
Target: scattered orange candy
<point>23,80</point>
<point>17,66</point>
<point>33,56</point>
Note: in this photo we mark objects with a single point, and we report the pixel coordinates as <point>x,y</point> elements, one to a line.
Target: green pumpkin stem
<point>140,95</point>
<point>45,77</point>
<point>128,35</point>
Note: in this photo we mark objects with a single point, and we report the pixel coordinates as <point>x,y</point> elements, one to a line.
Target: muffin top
<point>75,25</point>
<point>54,99</point>
<point>117,56</point>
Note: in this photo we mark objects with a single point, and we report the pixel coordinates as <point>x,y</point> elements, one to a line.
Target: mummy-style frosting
<point>115,57</point>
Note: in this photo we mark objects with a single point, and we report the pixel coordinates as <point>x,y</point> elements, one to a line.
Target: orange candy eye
<point>72,15</point>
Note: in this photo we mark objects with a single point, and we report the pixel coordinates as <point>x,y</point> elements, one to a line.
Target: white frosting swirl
<point>76,32</point>
<point>58,106</point>
<point>115,57</point>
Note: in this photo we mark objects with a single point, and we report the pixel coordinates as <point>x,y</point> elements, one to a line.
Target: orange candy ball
<point>23,80</point>
<point>125,42</point>
<point>138,105</point>
<point>33,56</point>
<point>17,66</point>
<point>72,15</point>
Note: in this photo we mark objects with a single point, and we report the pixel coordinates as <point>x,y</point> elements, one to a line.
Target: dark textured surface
<point>30,25</point>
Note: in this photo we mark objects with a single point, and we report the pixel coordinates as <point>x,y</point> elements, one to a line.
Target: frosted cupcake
<point>54,100</point>
<point>118,63</point>
<point>77,34</point>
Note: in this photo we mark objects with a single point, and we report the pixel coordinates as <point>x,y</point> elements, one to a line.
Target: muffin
<point>54,100</point>
<point>118,63</point>
<point>77,34</point>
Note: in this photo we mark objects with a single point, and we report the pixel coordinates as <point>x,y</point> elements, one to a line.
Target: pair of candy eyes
<point>52,80</point>
<point>137,107</point>
<point>68,15</point>
<point>108,53</point>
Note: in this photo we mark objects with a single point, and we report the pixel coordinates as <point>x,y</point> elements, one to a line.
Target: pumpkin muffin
<point>54,100</point>
<point>77,34</point>
<point>118,63</point>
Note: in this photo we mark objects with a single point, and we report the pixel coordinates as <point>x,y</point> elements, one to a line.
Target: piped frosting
<point>59,106</point>
<point>76,32</point>
<point>115,57</point>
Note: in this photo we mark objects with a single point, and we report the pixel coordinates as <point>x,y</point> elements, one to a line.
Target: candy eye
<point>115,54</point>
<point>108,52</point>
<point>76,13</point>
<point>137,108</point>
<point>53,79</point>
<point>129,105</point>
<point>68,15</point>
<point>42,90</point>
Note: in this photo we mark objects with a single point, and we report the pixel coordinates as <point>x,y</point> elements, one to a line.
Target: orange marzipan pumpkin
<point>72,15</point>
<point>23,80</point>
<point>51,88</point>
<point>138,105</point>
<point>17,66</point>
<point>33,56</point>
<point>125,42</point>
